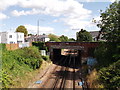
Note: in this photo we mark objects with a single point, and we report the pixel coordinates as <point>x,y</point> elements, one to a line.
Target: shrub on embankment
<point>110,76</point>
<point>40,45</point>
<point>106,77</point>
<point>16,64</point>
<point>107,74</point>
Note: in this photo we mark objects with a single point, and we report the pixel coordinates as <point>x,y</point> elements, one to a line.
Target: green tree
<point>30,34</point>
<point>53,38</point>
<point>110,29</point>
<point>63,38</point>
<point>108,54</point>
<point>40,45</point>
<point>22,29</point>
<point>110,76</point>
<point>83,36</point>
<point>71,39</point>
<point>110,23</point>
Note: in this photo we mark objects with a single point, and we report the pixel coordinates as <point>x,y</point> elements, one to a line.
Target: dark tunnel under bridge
<point>84,49</point>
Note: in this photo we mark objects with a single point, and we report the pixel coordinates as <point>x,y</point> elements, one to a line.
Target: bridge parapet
<point>82,44</point>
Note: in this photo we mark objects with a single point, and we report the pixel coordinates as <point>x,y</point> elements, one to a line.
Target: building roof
<point>11,32</point>
<point>94,33</point>
<point>37,36</point>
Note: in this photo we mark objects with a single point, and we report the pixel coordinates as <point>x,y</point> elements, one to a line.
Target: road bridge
<point>85,49</point>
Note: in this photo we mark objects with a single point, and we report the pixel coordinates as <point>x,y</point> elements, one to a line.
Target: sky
<point>59,17</point>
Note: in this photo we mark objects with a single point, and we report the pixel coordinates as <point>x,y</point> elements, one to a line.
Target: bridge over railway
<point>84,49</point>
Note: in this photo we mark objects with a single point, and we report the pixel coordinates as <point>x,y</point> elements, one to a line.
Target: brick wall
<point>15,46</point>
<point>12,46</point>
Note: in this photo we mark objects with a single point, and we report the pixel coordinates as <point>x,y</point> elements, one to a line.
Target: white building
<point>10,37</point>
<point>45,39</point>
<point>20,37</point>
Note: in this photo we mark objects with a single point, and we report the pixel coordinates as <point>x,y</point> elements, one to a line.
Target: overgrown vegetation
<point>61,38</point>
<point>16,64</point>
<point>40,45</point>
<point>46,58</point>
<point>53,38</point>
<point>110,76</point>
<point>83,36</point>
<point>108,53</point>
<point>2,47</point>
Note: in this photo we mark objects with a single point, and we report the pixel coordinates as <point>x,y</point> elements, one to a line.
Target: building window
<point>10,36</point>
<point>19,41</point>
<point>11,42</point>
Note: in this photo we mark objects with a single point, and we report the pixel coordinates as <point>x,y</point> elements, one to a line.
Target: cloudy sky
<point>60,17</point>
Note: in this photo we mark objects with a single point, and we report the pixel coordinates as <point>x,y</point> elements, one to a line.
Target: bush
<point>2,47</point>
<point>33,57</point>
<point>40,45</point>
<point>110,76</point>
<point>106,54</point>
<point>18,62</point>
<point>6,79</point>
<point>46,58</point>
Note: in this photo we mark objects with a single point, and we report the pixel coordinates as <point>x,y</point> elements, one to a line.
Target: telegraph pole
<point>38,22</point>
<point>38,27</point>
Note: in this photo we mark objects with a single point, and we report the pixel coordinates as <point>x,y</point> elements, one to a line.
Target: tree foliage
<point>108,53</point>
<point>63,38</point>
<point>22,29</point>
<point>40,45</point>
<point>110,28</point>
<point>110,23</point>
<point>71,39</point>
<point>83,36</point>
<point>110,76</point>
<point>53,38</point>
<point>16,64</point>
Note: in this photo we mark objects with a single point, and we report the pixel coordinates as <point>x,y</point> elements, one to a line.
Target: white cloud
<point>53,8</point>
<point>59,4</point>
<point>3,16</point>
<point>66,30</point>
<point>74,13</point>
<point>30,12</point>
<point>113,0</point>
<point>4,4</point>
<point>97,18</point>
<point>33,29</point>
<point>96,0</point>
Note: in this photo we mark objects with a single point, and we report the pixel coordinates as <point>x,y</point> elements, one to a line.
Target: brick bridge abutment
<point>85,49</point>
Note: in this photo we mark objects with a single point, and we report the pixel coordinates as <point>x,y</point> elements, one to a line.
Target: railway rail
<point>62,74</point>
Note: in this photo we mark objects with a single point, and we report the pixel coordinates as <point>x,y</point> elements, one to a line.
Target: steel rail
<point>74,73</point>
<point>46,82</point>
<point>58,77</point>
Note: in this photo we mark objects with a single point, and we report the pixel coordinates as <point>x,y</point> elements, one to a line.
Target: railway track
<point>54,70</point>
<point>74,74</point>
<point>62,74</point>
